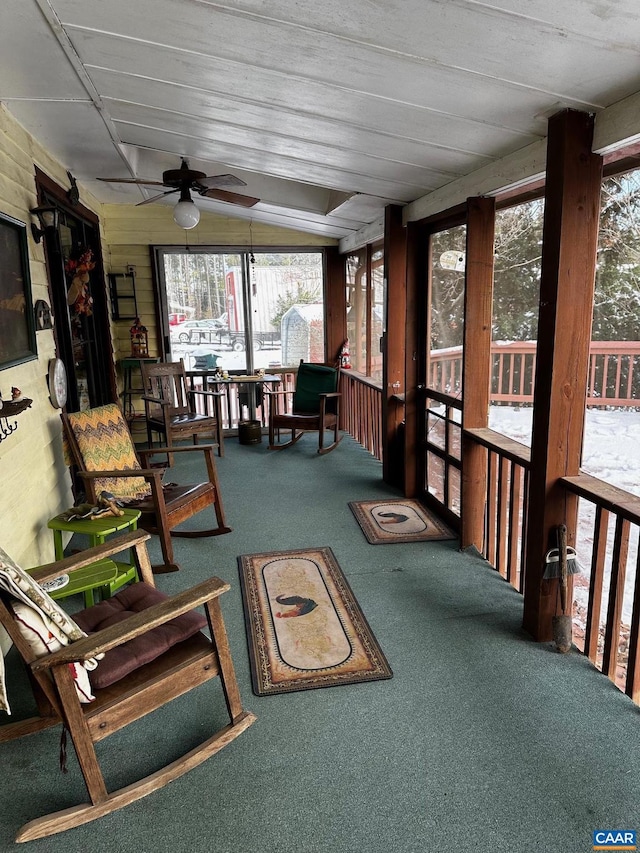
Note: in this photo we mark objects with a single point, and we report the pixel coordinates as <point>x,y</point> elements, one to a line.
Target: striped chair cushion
<point>105,443</point>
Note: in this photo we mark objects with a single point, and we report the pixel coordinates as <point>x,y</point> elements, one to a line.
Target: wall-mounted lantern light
<point>48,216</point>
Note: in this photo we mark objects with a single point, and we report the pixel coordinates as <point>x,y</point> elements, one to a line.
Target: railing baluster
<point>618,374</point>
<point>616,593</point>
<point>523,536</point>
<point>632,687</point>
<point>502,516</point>
<point>514,523</point>
<point>630,366</point>
<point>492,503</point>
<point>594,607</point>
<point>501,359</point>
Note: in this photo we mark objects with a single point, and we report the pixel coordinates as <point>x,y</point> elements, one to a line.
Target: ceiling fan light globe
<point>186,215</point>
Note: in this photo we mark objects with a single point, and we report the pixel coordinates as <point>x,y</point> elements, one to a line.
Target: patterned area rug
<point>403,520</point>
<point>304,626</point>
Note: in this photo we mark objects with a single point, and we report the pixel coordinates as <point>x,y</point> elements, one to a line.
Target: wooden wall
<point>35,481</point>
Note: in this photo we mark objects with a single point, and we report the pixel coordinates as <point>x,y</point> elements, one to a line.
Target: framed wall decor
<point>17,323</point>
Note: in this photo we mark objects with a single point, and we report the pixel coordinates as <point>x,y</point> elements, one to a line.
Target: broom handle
<point>562,557</point>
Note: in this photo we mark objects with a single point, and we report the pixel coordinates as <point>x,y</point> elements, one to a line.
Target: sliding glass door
<point>242,311</point>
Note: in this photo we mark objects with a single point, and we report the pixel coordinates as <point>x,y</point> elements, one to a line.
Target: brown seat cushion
<point>124,659</point>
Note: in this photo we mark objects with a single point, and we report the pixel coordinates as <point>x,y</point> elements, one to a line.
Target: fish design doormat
<point>398,520</point>
<point>304,626</point>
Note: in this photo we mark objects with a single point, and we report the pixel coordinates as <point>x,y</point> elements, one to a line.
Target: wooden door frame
<point>417,343</point>
<point>48,189</point>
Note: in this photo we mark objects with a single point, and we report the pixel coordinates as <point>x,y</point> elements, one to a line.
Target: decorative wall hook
<point>9,409</point>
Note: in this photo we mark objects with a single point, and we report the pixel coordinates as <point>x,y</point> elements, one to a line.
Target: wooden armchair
<point>170,406</point>
<point>139,668</point>
<point>101,447</point>
<point>314,407</point>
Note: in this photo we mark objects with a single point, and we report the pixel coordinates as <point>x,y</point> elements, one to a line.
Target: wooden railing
<point>235,398</point>
<point>505,508</point>
<point>609,638</point>
<point>607,630</point>
<point>609,517</point>
<point>614,372</point>
<point>361,410</point>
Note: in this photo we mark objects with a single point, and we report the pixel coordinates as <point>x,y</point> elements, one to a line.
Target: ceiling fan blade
<point>156,197</point>
<point>231,198</point>
<point>126,181</point>
<point>219,181</point>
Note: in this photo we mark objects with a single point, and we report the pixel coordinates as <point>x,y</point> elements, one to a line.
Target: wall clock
<point>57,383</point>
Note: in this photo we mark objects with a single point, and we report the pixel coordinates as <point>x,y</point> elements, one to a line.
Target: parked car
<point>197,331</point>
<point>175,319</point>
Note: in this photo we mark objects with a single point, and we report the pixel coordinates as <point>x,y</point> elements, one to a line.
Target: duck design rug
<point>401,520</point>
<point>304,626</point>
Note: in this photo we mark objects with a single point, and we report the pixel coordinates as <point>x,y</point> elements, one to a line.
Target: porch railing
<point>614,372</point>
<point>508,464</point>
<point>612,620</point>
<point>614,380</point>
<point>236,397</point>
<point>361,410</point>
<point>607,627</point>
<point>606,601</point>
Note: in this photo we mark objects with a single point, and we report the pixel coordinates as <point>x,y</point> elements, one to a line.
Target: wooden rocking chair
<point>101,447</point>
<point>132,689</point>
<point>170,406</point>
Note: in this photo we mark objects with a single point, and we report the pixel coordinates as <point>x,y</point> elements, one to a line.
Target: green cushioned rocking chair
<point>315,407</point>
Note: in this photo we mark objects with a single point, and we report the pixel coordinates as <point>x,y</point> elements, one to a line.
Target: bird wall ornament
<point>10,408</point>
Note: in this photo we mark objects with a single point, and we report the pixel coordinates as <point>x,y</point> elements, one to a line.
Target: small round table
<point>107,575</point>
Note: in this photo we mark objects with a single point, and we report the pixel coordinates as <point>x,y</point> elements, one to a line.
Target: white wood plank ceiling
<point>327,109</point>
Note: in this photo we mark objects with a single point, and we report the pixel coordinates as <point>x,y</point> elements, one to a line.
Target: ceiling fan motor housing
<point>177,177</point>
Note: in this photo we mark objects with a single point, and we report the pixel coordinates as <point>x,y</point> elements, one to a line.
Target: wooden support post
<point>395,271</point>
<point>335,303</point>
<point>416,301</point>
<point>570,236</point>
<point>476,365</point>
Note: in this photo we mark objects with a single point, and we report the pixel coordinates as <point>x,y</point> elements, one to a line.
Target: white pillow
<point>37,630</point>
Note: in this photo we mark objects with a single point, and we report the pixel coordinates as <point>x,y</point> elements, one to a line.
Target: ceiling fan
<point>183,180</point>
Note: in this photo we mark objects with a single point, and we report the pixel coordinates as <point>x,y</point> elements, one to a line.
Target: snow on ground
<point>611,453</point>
<point>227,359</point>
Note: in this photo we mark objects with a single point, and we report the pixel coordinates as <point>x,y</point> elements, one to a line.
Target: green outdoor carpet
<point>482,742</point>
